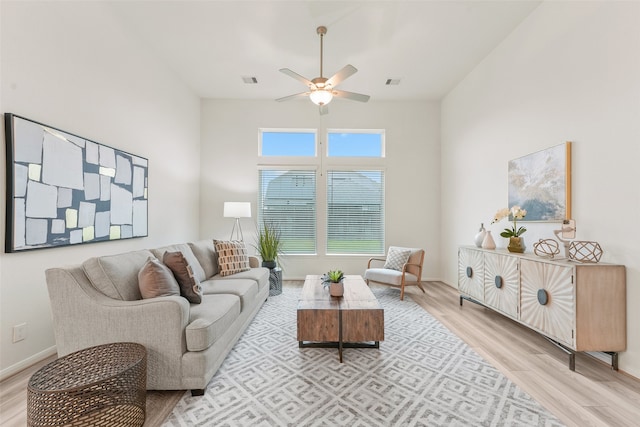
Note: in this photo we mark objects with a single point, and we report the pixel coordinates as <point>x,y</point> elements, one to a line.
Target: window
<point>350,192</point>
<point>288,198</point>
<point>355,144</point>
<point>355,212</point>
<point>288,143</point>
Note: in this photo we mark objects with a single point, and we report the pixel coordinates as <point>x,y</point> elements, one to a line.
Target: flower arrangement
<point>516,213</point>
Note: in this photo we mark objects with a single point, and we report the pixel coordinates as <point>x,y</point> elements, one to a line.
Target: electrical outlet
<point>19,332</point>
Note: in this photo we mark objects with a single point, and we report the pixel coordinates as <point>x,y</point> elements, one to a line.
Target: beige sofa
<point>100,302</point>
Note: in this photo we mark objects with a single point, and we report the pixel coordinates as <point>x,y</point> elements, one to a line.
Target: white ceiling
<point>429,45</point>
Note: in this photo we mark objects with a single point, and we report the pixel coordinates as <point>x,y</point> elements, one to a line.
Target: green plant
<point>335,276</point>
<point>516,213</point>
<point>269,242</point>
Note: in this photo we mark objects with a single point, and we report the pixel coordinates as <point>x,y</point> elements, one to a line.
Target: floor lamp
<point>237,210</point>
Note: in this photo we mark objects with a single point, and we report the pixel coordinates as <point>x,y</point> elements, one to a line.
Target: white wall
<point>72,66</point>
<point>569,72</point>
<point>230,158</point>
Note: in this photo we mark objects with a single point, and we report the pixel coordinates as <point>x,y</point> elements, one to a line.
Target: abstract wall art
<point>541,183</point>
<point>63,189</point>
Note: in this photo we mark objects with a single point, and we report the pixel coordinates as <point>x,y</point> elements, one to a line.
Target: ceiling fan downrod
<point>322,30</point>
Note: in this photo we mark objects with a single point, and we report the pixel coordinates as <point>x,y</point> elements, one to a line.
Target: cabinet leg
<point>614,359</point>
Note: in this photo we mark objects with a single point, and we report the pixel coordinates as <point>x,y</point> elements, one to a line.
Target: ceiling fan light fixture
<point>321,96</point>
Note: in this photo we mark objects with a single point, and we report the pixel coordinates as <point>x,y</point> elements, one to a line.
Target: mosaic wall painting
<point>63,189</point>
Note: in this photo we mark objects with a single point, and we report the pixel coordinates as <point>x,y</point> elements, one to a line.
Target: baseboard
<point>24,364</point>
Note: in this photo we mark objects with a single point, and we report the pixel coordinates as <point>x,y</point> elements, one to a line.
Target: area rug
<point>422,375</point>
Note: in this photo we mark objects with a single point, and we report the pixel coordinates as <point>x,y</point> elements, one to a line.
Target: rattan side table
<point>97,386</point>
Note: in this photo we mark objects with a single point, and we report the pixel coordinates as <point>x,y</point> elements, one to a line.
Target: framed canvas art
<point>63,189</point>
<point>541,183</point>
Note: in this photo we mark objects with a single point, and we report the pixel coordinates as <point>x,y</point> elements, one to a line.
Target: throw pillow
<point>396,257</point>
<point>189,286</point>
<point>232,257</point>
<point>156,280</point>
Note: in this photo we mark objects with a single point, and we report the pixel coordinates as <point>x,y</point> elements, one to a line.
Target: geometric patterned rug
<point>422,375</point>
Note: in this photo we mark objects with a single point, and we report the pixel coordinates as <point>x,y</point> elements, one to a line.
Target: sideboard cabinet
<point>578,307</point>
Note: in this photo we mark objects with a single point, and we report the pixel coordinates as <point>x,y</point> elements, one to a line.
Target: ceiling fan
<point>322,89</point>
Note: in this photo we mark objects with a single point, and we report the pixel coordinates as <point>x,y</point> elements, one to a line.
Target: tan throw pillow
<point>232,257</point>
<point>189,286</point>
<point>396,257</point>
<point>156,280</point>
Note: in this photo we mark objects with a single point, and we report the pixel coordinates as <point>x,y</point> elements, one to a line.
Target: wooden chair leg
<point>421,288</point>
<point>402,292</point>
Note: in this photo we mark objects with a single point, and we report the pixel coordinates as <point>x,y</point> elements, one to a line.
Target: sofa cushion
<point>232,257</point>
<point>198,272</point>
<point>183,272</point>
<point>246,289</point>
<point>210,320</point>
<point>259,274</point>
<point>116,276</point>
<point>206,255</point>
<point>386,275</point>
<point>156,280</point>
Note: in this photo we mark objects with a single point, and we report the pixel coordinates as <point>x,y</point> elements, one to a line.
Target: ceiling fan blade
<point>297,95</point>
<point>346,71</point>
<point>324,109</point>
<point>297,76</point>
<point>351,95</point>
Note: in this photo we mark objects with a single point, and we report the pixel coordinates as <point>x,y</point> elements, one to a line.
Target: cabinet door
<point>502,283</point>
<point>547,300</point>
<point>471,273</point>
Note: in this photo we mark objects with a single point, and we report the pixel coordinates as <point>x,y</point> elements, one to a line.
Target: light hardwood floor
<point>593,395</point>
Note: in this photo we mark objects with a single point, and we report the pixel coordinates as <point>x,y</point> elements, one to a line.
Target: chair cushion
<point>246,289</point>
<point>397,257</point>
<point>156,280</point>
<point>207,256</point>
<point>386,275</point>
<point>116,276</point>
<point>209,320</point>
<point>232,257</point>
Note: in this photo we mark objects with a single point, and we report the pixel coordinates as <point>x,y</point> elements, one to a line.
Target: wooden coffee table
<point>355,320</point>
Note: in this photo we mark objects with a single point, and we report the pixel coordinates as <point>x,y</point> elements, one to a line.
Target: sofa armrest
<point>84,317</point>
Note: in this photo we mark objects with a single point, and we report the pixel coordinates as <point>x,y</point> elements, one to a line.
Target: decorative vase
<point>488,242</point>
<point>516,244</point>
<point>480,236</point>
<point>269,264</point>
<point>336,289</point>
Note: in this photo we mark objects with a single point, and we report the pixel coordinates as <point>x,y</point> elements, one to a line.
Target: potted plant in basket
<point>516,244</point>
<point>269,244</point>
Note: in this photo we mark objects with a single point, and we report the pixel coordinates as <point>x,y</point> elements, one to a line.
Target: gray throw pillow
<point>396,258</point>
<point>189,286</point>
<point>156,280</point>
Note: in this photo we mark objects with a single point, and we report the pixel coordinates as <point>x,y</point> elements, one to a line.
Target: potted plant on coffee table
<point>334,279</point>
<point>269,244</point>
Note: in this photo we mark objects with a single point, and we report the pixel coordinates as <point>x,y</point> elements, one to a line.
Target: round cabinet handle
<point>498,281</point>
<point>469,272</point>
<point>543,297</point>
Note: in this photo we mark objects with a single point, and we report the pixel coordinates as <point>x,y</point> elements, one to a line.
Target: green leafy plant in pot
<point>334,279</point>
<point>269,244</point>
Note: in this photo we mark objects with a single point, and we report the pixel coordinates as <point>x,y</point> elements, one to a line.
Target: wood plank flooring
<point>593,395</point>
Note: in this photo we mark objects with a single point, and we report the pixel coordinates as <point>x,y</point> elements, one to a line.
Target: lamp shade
<point>321,96</point>
<point>237,210</point>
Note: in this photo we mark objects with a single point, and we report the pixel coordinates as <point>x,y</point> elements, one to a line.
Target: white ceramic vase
<point>480,236</point>
<point>488,242</point>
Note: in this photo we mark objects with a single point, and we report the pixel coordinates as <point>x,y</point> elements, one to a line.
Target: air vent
<point>250,80</point>
<point>392,82</point>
